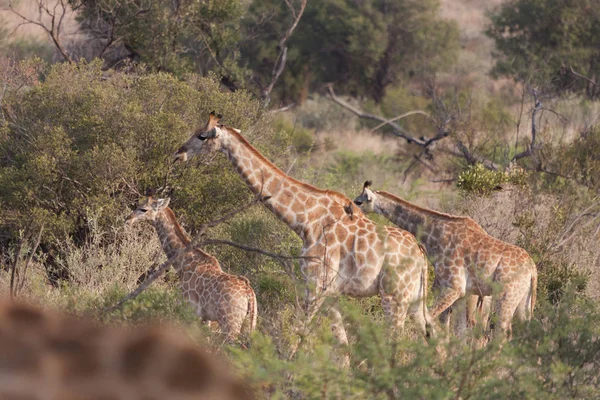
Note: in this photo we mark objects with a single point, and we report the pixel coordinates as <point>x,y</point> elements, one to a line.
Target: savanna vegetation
<point>495,116</point>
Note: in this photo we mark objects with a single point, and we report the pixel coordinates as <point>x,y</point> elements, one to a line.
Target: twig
<point>33,250</point>
<point>276,256</point>
<point>282,48</point>
<point>16,261</point>
<point>55,27</point>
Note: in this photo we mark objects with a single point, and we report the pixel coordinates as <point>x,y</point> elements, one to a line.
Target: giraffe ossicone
<point>466,259</point>
<point>215,295</point>
<point>343,251</point>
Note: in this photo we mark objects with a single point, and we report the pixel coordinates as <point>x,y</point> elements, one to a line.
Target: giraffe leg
<point>444,319</point>
<point>508,301</point>
<point>460,311</point>
<point>447,297</point>
<point>337,328</point>
<point>472,311</point>
<point>395,310</point>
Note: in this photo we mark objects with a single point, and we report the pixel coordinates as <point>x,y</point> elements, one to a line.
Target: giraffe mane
<point>178,229</point>
<point>433,213</point>
<point>342,199</point>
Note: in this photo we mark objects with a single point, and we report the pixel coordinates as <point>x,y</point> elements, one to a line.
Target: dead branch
<point>582,76</point>
<point>282,49</point>
<point>16,260</point>
<point>459,149</point>
<point>532,146</point>
<point>397,129</point>
<point>398,117</point>
<point>52,28</point>
<point>282,109</point>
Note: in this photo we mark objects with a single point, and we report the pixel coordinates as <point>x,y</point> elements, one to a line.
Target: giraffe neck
<point>173,238</point>
<point>295,203</point>
<point>418,221</point>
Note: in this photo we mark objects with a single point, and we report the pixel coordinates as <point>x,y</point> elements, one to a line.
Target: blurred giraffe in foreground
<point>46,356</point>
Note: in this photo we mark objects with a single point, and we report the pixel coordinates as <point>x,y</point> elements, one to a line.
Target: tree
<point>361,47</point>
<point>177,36</point>
<point>550,43</point>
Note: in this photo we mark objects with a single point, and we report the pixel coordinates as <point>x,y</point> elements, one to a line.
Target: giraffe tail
<point>424,271</point>
<point>533,291</point>
<point>252,308</point>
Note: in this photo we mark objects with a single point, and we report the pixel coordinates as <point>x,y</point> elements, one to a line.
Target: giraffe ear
<point>161,204</point>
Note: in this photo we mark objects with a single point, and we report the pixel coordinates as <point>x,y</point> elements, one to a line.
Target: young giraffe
<point>344,252</point>
<point>45,356</point>
<point>467,259</point>
<point>215,295</point>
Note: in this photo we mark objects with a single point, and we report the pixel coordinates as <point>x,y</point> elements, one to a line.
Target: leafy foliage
<point>549,42</point>
<point>547,359</point>
<point>477,179</point>
<point>361,47</point>
<point>80,143</point>
<point>197,36</point>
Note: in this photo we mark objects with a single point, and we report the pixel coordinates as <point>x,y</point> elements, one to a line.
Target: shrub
<point>477,179</point>
<point>81,143</point>
<point>556,356</point>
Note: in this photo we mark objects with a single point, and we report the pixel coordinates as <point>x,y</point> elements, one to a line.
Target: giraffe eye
<point>143,209</point>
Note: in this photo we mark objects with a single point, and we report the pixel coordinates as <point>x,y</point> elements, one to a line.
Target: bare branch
<point>282,48</point>
<point>396,118</point>
<point>30,258</point>
<point>582,76</point>
<point>532,146</point>
<point>16,261</point>
<point>460,149</point>
<point>282,109</point>
<point>54,29</point>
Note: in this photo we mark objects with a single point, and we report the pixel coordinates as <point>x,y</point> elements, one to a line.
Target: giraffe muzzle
<point>180,155</point>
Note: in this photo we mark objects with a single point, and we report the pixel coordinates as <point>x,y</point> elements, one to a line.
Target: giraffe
<point>214,294</point>
<point>466,259</point>
<point>343,252</point>
<point>49,356</point>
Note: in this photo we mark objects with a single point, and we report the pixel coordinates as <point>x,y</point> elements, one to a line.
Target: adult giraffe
<point>466,259</point>
<point>343,251</point>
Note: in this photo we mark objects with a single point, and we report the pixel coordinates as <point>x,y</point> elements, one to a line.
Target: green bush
<point>479,180</point>
<point>81,143</point>
<point>554,357</point>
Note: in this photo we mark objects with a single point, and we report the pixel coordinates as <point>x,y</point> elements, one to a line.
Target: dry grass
<point>96,268</point>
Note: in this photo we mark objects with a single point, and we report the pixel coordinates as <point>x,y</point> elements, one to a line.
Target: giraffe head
<point>203,139</point>
<point>147,209</point>
<point>367,199</point>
